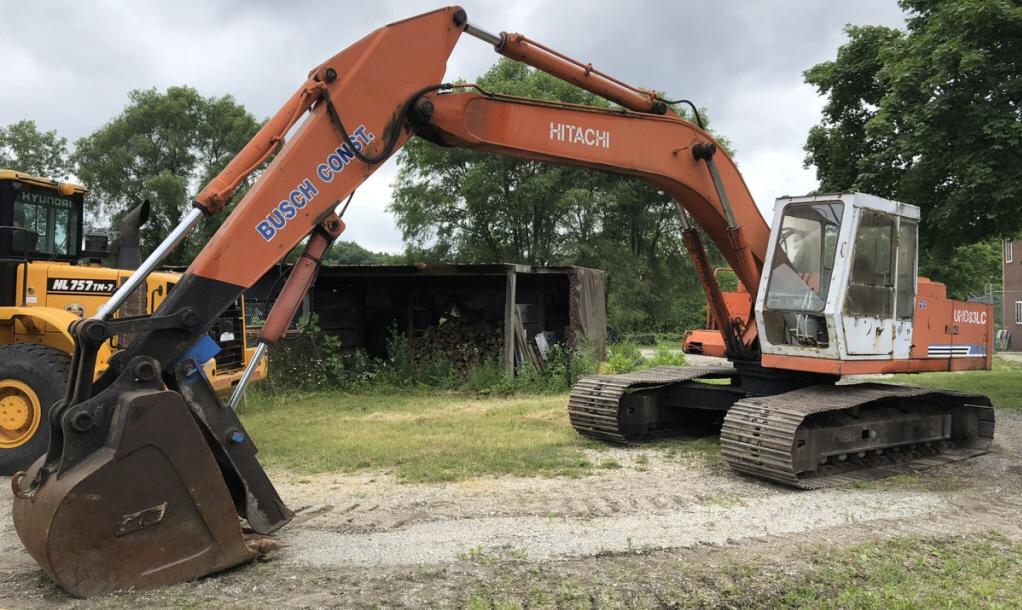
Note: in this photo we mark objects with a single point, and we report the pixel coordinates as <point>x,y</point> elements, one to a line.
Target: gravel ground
<point>367,540</point>
<point>1012,356</point>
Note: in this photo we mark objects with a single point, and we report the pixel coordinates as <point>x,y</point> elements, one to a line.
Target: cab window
<point>907,237</point>
<point>872,281</point>
<point>44,223</point>
<point>803,263</point>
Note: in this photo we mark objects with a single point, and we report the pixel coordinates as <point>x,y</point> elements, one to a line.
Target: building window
<point>1018,312</point>
<point>1008,250</point>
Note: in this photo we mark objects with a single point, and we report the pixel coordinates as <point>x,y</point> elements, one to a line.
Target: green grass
<point>912,573</point>
<point>1003,384</point>
<point>668,344</point>
<point>975,572</point>
<point>445,436</point>
<point>434,437</point>
<point>706,448</point>
<point>420,437</point>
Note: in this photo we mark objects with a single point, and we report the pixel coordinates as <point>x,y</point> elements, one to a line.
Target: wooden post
<point>509,324</point>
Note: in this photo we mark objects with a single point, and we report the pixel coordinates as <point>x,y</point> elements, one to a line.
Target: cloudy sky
<point>70,64</point>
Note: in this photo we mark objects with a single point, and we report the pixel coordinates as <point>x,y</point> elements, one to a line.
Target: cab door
<point>880,296</point>
<point>907,280</point>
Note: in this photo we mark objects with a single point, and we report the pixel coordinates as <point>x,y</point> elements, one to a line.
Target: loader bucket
<point>150,507</point>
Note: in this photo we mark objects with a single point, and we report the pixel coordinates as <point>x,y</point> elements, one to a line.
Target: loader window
<point>871,285</point>
<point>804,257</point>
<point>47,223</point>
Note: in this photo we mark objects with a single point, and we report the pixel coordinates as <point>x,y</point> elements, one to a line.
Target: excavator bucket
<point>159,502</point>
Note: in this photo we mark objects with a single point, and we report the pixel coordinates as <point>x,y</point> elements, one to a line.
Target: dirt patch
<point>367,539</point>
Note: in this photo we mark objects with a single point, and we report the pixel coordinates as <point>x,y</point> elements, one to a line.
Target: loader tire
<point>32,379</point>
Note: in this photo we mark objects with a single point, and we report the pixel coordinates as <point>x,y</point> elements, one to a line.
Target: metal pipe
<point>246,377</point>
<point>570,70</point>
<point>686,222</point>
<point>482,34</point>
<point>718,185</point>
<point>150,264</point>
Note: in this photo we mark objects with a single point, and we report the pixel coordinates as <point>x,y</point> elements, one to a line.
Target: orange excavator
<point>150,479</point>
<point>708,341</point>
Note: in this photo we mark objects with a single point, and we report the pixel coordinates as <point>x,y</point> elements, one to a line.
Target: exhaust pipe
<point>128,254</point>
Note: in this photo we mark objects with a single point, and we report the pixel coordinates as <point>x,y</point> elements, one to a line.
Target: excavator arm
<point>365,102</point>
<point>655,148</point>
<point>663,150</point>
<point>136,438</point>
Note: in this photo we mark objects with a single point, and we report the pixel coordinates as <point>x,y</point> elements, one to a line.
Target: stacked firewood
<point>460,342</point>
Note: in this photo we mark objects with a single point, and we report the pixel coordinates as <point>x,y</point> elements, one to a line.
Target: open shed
<point>360,304</point>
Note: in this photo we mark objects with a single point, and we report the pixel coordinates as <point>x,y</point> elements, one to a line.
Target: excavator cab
<point>841,279</point>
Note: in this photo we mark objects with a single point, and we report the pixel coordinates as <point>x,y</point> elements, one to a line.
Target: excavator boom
<point>148,472</point>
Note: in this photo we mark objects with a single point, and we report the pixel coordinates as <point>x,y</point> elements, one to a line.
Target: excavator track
<point>601,406</point>
<point>827,435</point>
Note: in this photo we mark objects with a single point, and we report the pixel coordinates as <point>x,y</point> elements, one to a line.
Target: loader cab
<point>40,219</point>
<point>841,278</point>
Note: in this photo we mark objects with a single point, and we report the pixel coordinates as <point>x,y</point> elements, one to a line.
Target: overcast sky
<point>70,64</point>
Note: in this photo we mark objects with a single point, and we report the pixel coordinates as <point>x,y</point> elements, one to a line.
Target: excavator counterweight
<point>150,479</point>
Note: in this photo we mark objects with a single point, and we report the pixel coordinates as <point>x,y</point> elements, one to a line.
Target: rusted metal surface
<point>253,493</point>
<point>148,509</point>
<point>597,406</point>
<point>714,297</point>
<point>302,275</point>
<point>785,437</point>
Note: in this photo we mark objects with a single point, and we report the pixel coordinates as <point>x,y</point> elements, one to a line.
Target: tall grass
<point>317,361</point>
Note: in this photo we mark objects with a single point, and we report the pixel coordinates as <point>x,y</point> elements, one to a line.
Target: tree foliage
<point>163,147</point>
<point>969,269</point>
<point>458,205</point>
<point>350,253</point>
<point>933,117</point>
<point>26,149</point>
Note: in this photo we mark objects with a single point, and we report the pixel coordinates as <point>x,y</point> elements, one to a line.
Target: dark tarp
<point>588,309</point>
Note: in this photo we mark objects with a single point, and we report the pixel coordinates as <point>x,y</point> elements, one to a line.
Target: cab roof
<point>12,175</point>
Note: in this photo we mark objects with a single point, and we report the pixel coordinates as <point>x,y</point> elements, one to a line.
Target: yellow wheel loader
<point>51,276</point>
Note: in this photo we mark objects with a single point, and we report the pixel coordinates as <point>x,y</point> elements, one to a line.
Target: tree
<point>458,205</point>
<point>838,145</point>
<point>968,271</point>
<point>164,146</point>
<point>480,207</point>
<point>26,149</point>
<point>932,117</point>
<point>350,253</point>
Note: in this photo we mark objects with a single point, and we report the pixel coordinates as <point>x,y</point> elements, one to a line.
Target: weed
<point>316,360</point>
<point>518,554</point>
<point>476,554</point>
<point>955,572</point>
<point>666,357</point>
<point>622,358</point>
